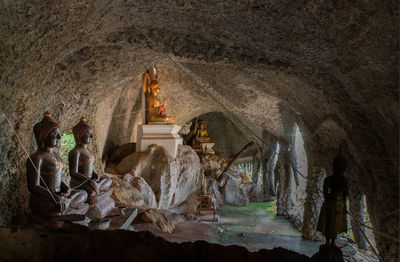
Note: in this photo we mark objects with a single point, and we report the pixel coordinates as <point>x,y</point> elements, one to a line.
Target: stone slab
<point>80,210</point>
<point>129,220</point>
<point>118,220</point>
<point>100,197</point>
<point>101,209</point>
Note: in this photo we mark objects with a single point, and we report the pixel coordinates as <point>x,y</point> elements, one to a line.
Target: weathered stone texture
<point>324,61</point>
<point>313,203</point>
<point>233,190</point>
<point>172,180</point>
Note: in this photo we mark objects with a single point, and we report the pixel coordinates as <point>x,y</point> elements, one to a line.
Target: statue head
<point>83,133</point>
<point>202,125</point>
<point>47,132</point>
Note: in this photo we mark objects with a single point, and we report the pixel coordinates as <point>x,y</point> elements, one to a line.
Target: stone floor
<point>254,227</point>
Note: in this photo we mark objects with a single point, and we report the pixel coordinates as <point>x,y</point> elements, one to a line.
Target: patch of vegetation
<point>67,144</point>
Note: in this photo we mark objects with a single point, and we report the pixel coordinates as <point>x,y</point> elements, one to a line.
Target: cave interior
<point>298,80</point>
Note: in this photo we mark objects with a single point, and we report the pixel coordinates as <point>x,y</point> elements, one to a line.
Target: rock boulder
<point>163,219</point>
<point>189,206</point>
<point>172,180</point>
<point>145,190</point>
<point>233,190</point>
<point>124,194</point>
<point>121,152</point>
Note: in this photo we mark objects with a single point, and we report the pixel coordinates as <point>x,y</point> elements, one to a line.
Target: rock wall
<point>313,204</point>
<point>228,137</point>
<point>327,61</point>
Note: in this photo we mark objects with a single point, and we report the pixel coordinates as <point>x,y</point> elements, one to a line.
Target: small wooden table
<point>207,203</point>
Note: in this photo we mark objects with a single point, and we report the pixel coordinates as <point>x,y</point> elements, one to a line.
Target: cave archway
<point>324,62</point>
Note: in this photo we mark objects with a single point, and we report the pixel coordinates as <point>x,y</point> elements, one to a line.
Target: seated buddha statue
<point>156,111</point>
<point>81,162</point>
<point>49,195</point>
<point>202,135</point>
<point>245,178</point>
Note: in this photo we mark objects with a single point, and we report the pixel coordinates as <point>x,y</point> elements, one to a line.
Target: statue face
<point>155,90</point>
<point>87,137</point>
<point>52,138</point>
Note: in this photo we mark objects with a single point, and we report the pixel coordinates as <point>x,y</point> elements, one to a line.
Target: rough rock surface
<point>341,242</point>
<point>349,251</point>
<point>164,219</point>
<point>189,206</point>
<point>228,135</point>
<point>172,180</point>
<point>234,191</point>
<point>145,191</point>
<point>257,194</point>
<point>313,204</point>
<point>219,197</point>
<point>326,62</point>
<point>249,188</point>
<point>121,152</point>
<point>124,194</point>
<point>120,245</point>
<point>213,165</point>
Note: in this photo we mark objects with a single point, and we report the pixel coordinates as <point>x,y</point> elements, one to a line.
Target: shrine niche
<point>202,142</point>
<point>158,128</point>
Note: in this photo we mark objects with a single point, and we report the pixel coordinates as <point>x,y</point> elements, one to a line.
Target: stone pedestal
<point>160,134</point>
<point>101,204</point>
<point>80,210</point>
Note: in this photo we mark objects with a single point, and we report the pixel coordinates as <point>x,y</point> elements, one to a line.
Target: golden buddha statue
<point>156,111</point>
<point>49,195</point>
<point>245,178</point>
<point>202,135</point>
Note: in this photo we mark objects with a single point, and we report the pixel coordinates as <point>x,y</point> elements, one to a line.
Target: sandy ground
<point>254,227</point>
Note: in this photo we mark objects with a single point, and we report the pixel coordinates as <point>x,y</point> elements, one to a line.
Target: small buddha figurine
<point>156,111</point>
<point>202,135</point>
<point>49,194</point>
<point>245,178</point>
<point>81,162</point>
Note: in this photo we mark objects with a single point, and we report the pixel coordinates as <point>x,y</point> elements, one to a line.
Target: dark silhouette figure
<point>332,219</point>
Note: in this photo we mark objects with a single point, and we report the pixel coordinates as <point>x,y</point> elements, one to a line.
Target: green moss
<point>245,219</point>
